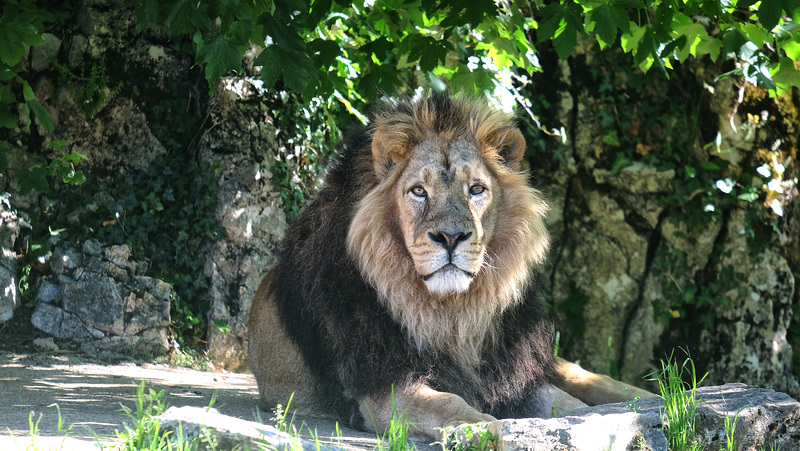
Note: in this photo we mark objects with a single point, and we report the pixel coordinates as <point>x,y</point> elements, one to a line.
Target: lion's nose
<point>449,240</point>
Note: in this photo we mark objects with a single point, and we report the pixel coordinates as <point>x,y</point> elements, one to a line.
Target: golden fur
<point>457,323</point>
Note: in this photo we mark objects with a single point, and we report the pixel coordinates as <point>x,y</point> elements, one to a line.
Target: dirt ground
<point>89,393</point>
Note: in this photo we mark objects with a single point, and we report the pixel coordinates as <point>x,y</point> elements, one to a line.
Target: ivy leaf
<point>608,19</point>
<point>565,40</point>
<point>27,91</point>
<point>769,13</point>
<point>319,9</point>
<point>34,178</point>
<point>269,60</point>
<point>708,46</point>
<point>20,27</point>
<point>283,35</point>
<point>630,41</point>
<point>219,54</point>
<point>324,52</point>
<point>552,17</point>
<point>749,196</point>
<point>379,47</point>
<point>7,119</point>
<point>297,68</point>
<point>621,161</point>
<point>42,115</point>
<point>475,81</point>
<point>787,74</point>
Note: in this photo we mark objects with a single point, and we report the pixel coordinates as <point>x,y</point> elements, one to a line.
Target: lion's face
<point>446,227</point>
<point>446,213</point>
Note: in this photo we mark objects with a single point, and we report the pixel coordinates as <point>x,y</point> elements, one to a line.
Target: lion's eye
<point>419,191</point>
<point>476,189</point>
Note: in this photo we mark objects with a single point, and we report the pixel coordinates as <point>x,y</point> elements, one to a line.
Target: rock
<point>97,301</point>
<point>48,291</point>
<point>231,433</point>
<point>9,293</point>
<point>618,431</point>
<point>765,419</point>
<point>637,178</point>
<point>600,266</point>
<point>119,125</point>
<point>146,304</point>
<point>76,51</point>
<point>242,147</point>
<point>9,296</point>
<point>46,343</point>
<point>45,53</point>
<point>55,321</point>
<point>106,307</point>
<point>749,338</point>
<point>92,248</point>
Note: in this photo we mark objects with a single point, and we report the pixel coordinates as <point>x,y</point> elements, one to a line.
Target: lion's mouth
<point>448,279</point>
<point>448,268</point>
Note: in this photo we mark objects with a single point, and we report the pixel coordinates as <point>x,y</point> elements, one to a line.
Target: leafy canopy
<point>355,50</point>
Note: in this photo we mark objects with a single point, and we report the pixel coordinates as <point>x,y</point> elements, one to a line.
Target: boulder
<point>9,293</point>
<point>749,341</point>
<point>243,148</point>
<point>230,432</point>
<point>764,419</point>
<point>98,299</point>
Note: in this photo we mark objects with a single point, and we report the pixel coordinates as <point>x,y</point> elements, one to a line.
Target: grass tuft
<point>680,402</point>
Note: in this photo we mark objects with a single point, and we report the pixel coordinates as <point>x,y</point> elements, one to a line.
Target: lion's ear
<point>512,149</point>
<point>381,160</point>
<point>390,146</point>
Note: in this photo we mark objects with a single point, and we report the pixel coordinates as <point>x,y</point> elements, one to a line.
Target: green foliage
<point>730,432</point>
<point>307,135</point>
<point>280,416</point>
<point>167,217</point>
<point>680,402</point>
<point>699,294</point>
<point>355,50</point>
<point>22,24</point>
<point>396,436</point>
<point>38,177</point>
<point>469,437</point>
<point>90,89</point>
<point>145,432</point>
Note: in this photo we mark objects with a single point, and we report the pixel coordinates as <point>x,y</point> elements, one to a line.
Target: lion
<point>409,283</point>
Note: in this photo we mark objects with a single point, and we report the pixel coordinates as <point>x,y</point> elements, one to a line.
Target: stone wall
<point>98,297</point>
<point>623,252</point>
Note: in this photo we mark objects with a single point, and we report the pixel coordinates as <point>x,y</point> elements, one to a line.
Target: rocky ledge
<point>764,420</point>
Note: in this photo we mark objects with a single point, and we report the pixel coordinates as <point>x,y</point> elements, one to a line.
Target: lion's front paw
<point>467,418</point>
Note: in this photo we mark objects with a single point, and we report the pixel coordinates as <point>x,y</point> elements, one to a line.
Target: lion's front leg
<point>424,410</point>
<point>594,389</point>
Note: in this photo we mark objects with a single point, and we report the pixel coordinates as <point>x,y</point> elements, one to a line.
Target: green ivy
<point>22,25</point>
<point>307,139</point>
<point>90,88</point>
<point>167,217</point>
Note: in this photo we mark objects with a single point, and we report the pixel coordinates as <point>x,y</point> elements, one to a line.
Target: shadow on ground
<point>89,395</point>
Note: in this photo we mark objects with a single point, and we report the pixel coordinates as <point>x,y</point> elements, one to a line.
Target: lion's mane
<point>349,296</point>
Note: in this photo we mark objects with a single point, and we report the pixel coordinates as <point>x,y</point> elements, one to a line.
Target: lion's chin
<point>448,280</point>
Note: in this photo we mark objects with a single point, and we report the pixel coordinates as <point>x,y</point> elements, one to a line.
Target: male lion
<point>412,274</point>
